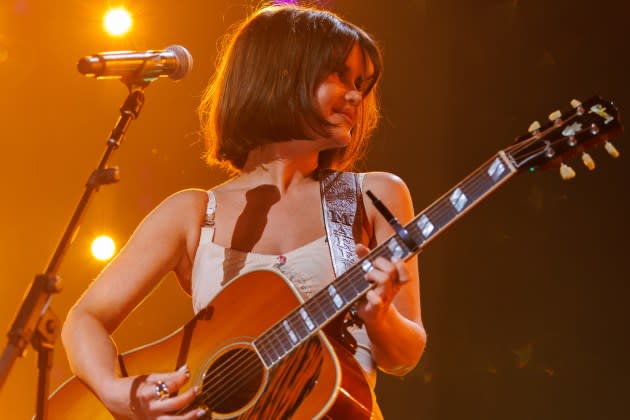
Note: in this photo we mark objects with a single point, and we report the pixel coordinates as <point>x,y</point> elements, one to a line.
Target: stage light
<point>117,22</point>
<point>103,248</point>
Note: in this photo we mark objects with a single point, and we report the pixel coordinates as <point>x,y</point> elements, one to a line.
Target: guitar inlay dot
<point>337,300</point>
<point>459,199</point>
<point>496,169</point>
<point>425,226</point>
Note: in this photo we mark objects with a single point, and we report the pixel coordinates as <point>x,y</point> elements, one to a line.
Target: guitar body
<point>320,379</point>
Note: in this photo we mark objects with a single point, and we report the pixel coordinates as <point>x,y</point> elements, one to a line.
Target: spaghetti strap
<point>207,229</point>
<point>210,209</point>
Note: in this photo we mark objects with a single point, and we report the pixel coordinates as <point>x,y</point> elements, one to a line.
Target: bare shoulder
<point>386,183</point>
<point>185,211</point>
<point>392,191</point>
<point>388,187</point>
<point>183,200</point>
<point>176,220</point>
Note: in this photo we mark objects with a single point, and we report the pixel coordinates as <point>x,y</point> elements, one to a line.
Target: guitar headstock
<point>566,134</point>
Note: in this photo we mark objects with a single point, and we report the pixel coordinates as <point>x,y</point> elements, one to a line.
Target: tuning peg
<point>534,127</point>
<point>578,106</point>
<point>566,172</point>
<point>611,149</point>
<point>555,116</point>
<point>588,161</point>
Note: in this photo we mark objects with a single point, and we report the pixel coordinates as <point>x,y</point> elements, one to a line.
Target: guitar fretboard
<point>306,320</point>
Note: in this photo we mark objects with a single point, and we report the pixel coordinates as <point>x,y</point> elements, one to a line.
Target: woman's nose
<point>354,97</point>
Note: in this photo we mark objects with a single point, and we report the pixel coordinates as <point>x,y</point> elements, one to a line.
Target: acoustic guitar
<point>294,358</point>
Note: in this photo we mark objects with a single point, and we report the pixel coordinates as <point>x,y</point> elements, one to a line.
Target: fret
<point>336,298</point>
<point>280,339</point>
<point>353,283</point>
<point>348,289</point>
<point>290,332</point>
<point>306,317</point>
<point>315,310</point>
<point>441,213</point>
<point>396,248</point>
<point>325,306</point>
<point>266,350</point>
<point>299,325</point>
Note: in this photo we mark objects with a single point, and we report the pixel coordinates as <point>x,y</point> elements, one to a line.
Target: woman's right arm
<point>164,241</point>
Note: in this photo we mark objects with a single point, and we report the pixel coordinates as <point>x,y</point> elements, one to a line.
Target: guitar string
<point>276,335</point>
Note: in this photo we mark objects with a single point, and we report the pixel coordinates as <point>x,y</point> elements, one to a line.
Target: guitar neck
<point>338,296</point>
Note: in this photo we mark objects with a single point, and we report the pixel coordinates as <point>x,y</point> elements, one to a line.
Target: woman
<point>293,97</point>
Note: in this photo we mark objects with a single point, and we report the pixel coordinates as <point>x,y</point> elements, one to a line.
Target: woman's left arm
<point>391,310</point>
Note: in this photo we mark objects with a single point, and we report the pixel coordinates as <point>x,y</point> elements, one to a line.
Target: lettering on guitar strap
<point>340,193</point>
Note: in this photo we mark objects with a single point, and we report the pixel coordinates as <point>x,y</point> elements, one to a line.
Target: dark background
<point>523,300</point>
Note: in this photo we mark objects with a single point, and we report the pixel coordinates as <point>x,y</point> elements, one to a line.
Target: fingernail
<point>201,412</point>
<point>196,390</point>
<point>184,369</point>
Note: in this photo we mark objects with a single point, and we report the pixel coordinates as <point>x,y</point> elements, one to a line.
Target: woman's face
<point>340,95</point>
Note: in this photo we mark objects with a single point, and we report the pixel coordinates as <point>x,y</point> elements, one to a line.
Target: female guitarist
<point>290,107</point>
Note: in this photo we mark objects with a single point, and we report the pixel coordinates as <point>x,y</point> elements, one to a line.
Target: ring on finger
<point>161,390</point>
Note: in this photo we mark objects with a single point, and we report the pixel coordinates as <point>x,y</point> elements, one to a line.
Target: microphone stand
<point>35,322</point>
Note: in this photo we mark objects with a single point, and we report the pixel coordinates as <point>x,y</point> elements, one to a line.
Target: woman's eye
<point>343,75</point>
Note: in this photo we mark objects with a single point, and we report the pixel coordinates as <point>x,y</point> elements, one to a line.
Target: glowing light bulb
<point>117,22</point>
<point>103,248</point>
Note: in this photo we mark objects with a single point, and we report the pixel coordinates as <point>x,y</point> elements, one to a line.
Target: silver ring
<point>161,390</point>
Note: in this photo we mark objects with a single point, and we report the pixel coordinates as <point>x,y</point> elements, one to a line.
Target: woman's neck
<point>283,164</point>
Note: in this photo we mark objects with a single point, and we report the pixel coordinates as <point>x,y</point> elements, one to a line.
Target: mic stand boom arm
<point>35,322</point>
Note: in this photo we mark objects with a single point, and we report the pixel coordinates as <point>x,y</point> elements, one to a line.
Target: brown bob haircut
<point>263,89</point>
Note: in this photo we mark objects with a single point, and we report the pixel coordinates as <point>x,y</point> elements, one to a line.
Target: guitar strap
<point>342,207</point>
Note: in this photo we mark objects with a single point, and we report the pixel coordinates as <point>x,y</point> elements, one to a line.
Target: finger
<point>173,381</point>
<point>378,277</point>
<point>374,299</point>
<point>384,264</point>
<point>362,250</point>
<point>401,268</point>
<point>369,304</point>
<point>179,378</point>
<point>384,271</point>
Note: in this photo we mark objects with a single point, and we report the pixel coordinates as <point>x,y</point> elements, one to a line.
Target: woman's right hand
<point>155,396</point>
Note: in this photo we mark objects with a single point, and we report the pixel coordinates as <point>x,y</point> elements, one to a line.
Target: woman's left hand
<point>387,277</point>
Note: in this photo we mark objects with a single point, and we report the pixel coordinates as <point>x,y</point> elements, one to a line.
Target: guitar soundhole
<point>232,381</point>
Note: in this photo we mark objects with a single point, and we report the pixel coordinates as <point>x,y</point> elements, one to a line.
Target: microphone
<point>175,62</point>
